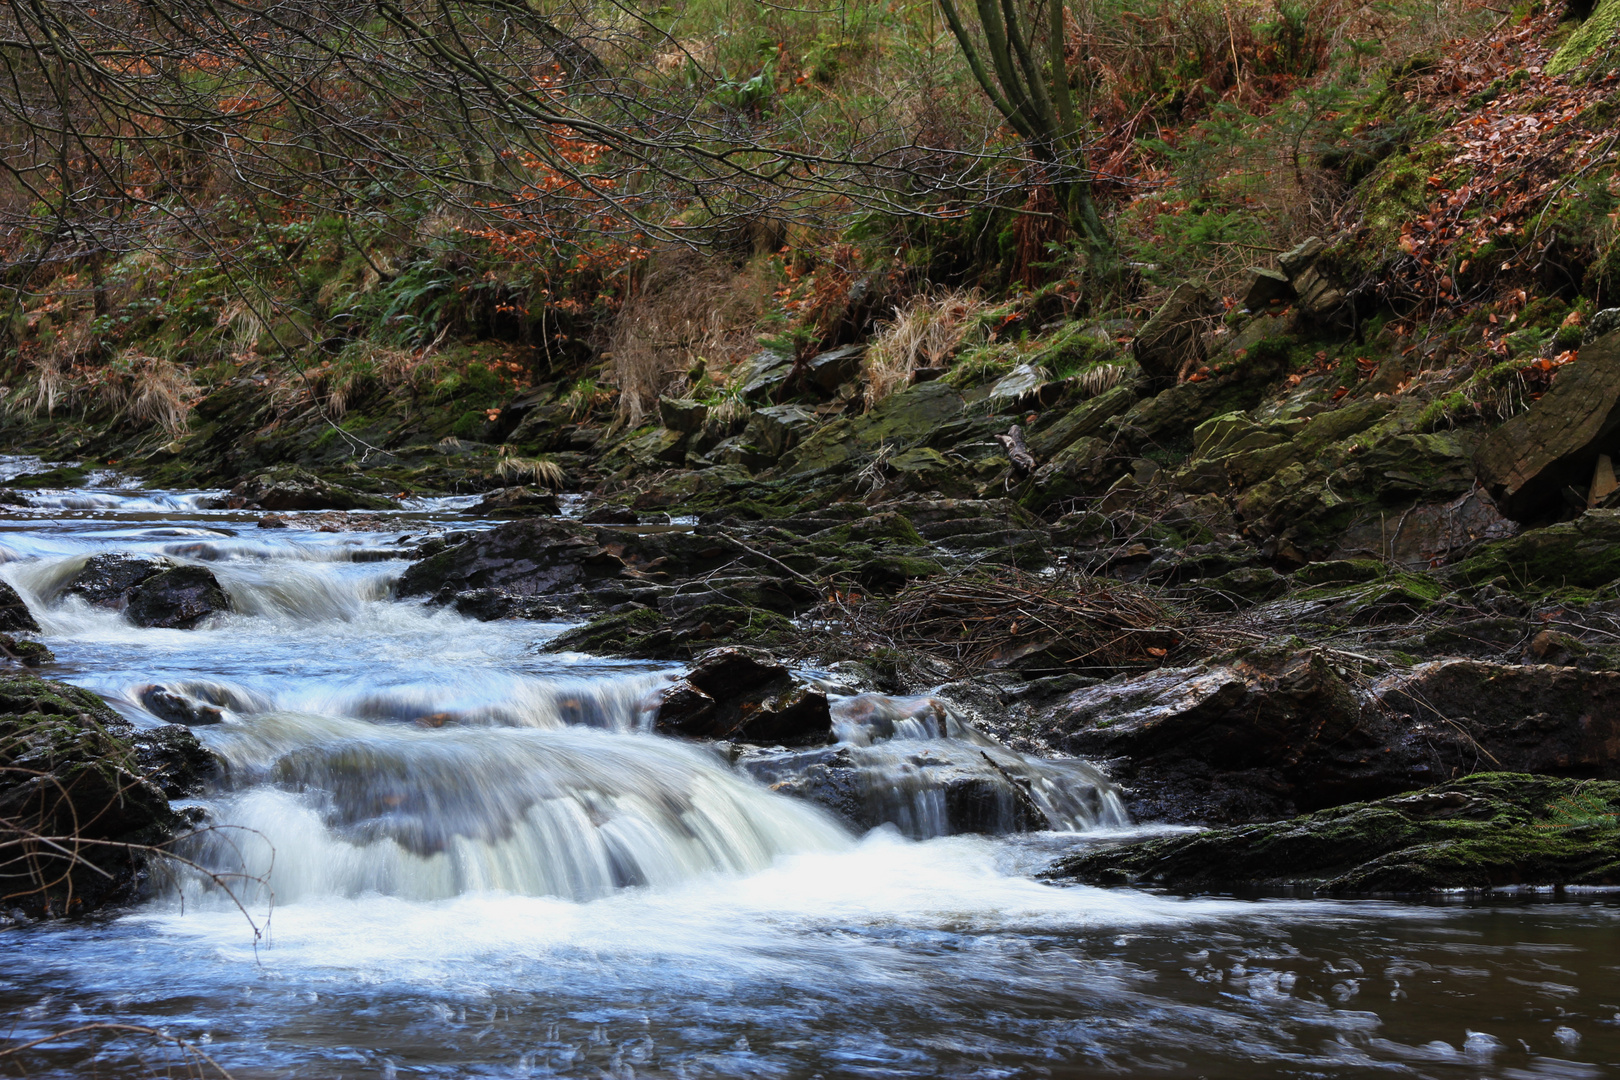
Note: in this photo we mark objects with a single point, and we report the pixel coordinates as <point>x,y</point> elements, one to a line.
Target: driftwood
<point>1023,463</point>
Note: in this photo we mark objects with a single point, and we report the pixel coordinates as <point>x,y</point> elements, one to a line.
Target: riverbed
<point>459,856</point>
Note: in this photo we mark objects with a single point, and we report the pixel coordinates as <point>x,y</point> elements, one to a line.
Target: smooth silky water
<point>470,858</point>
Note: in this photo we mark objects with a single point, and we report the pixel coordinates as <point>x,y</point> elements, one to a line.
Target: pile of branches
<point>985,619</point>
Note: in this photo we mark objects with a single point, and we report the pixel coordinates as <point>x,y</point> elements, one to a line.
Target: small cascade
<point>913,763</point>
<point>321,806</point>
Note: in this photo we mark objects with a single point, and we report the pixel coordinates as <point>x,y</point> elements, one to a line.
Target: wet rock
<point>179,708</point>
<point>177,599</point>
<point>532,557</point>
<point>1084,420</point>
<point>107,580</point>
<point>272,521</point>
<point>1486,831</point>
<point>1529,463</point>
<point>610,514</point>
<point>1169,343</point>
<point>488,605</point>
<point>924,789</point>
<point>24,652</point>
<point>13,498</point>
<point>72,767</point>
<point>14,613</point>
<point>517,502</point>
<point>291,488</point>
<point>744,695</point>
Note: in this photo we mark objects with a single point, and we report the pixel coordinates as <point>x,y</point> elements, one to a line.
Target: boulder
<point>1249,738</point>
<point>531,557</point>
<point>764,376</point>
<point>1531,462</point>
<point>1584,554</point>
<point>14,613</point>
<point>178,707</point>
<point>1169,343</point>
<point>744,695</point>
<point>177,599</point>
<point>776,429</point>
<point>682,414</point>
<point>1084,420</point>
<point>1485,831</point>
<point>291,488</point>
<point>73,769</point>
<point>1538,718</point>
<point>106,580</point>
<point>831,369</point>
<point>516,502</point>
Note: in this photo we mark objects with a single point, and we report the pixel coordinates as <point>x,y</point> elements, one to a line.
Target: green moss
<point>1486,830</point>
<point>1599,31</point>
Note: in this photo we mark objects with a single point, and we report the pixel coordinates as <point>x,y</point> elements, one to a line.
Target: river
<point>464,857</point>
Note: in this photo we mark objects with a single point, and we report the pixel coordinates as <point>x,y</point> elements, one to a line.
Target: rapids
<point>466,857</point>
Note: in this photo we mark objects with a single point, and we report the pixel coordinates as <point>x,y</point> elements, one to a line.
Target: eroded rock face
<point>744,695</point>
<point>69,765</point>
<point>1485,831</point>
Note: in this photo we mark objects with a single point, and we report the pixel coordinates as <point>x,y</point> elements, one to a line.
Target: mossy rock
<point>647,634</point>
<point>63,476</point>
<point>1484,831</point>
<point>71,768</point>
<point>1584,554</point>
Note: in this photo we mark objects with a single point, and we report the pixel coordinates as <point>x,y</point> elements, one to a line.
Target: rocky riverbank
<point>1247,580</point>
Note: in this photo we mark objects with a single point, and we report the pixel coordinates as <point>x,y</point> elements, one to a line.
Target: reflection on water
<point>480,862</point>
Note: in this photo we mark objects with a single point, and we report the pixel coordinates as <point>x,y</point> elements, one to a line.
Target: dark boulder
<point>516,502</point>
<point>533,557</point>
<point>1246,739</point>
<point>1538,718</point>
<point>744,695</point>
<point>290,488</point>
<point>107,580</point>
<point>14,613</point>
<point>1486,831</point>
<point>74,772</point>
<point>177,599</point>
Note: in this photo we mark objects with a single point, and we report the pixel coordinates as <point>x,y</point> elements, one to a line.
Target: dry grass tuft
<point>150,390</point>
<point>924,333</point>
<point>688,307</point>
<point>541,471</point>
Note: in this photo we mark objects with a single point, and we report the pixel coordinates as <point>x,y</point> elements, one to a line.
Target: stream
<point>465,857</point>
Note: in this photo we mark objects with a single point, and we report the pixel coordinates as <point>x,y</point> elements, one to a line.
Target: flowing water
<point>469,858</point>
